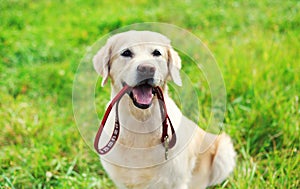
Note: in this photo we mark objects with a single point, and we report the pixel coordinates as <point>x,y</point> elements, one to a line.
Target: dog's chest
<point>167,175</point>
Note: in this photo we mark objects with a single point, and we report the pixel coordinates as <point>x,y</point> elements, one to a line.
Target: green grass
<point>256,44</point>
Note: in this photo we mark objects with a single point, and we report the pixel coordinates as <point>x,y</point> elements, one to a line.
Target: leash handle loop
<point>115,135</point>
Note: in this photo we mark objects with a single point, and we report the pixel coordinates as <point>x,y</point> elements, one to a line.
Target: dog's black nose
<point>146,69</point>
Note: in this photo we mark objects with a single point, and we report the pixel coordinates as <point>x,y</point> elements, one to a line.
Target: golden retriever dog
<point>139,160</point>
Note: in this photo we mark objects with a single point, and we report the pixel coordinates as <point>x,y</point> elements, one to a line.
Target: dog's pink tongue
<point>142,94</point>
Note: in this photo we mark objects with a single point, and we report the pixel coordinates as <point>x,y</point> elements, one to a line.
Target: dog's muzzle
<point>142,93</point>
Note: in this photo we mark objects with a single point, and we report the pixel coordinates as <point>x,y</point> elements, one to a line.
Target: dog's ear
<point>174,63</point>
<point>101,62</point>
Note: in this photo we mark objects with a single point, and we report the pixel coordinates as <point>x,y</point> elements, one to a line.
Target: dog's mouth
<point>142,94</point>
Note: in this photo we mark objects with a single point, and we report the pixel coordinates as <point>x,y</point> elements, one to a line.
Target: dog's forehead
<point>129,39</point>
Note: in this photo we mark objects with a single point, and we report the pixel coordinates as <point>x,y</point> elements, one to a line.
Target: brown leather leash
<point>168,144</point>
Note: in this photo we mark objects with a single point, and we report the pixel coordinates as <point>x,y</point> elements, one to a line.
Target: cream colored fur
<point>198,160</point>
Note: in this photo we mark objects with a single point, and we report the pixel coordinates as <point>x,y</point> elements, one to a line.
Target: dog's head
<point>140,59</point>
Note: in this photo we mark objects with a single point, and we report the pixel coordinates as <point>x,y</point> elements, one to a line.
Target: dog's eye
<point>156,53</point>
<point>126,53</point>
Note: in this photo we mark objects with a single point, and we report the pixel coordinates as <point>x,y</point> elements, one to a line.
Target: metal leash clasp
<point>166,145</point>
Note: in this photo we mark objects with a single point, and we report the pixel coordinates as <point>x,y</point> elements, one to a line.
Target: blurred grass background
<point>256,44</point>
